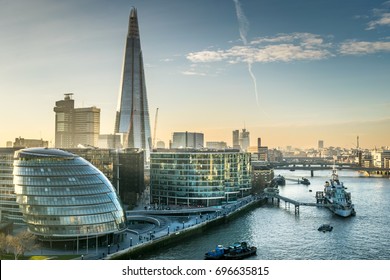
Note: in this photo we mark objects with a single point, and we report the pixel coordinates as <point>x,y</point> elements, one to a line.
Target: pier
<point>297,204</point>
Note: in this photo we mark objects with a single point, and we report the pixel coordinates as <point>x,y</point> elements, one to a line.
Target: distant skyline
<point>290,72</point>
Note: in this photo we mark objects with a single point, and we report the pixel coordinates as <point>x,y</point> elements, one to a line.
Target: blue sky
<point>291,72</point>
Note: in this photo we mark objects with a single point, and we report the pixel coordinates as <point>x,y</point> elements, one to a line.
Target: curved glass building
<point>199,177</point>
<point>62,196</point>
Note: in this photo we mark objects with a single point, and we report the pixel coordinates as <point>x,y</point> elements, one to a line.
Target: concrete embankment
<point>140,250</point>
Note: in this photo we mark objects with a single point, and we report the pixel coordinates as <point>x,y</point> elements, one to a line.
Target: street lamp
<point>150,235</point>
<point>87,239</point>
<point>96,244</point>
<point>108,249</point>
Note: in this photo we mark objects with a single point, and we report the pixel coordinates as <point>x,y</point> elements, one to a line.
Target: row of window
<point>188,195</point>
<point>36,160</point>
<point>199,155</point>
<point>59,171</point>
<point>69,220</point>
<point>69,211</point>
<point>62,191</point>
<point>64,201</point>
<point>74,230</point>
<point>57,181</point>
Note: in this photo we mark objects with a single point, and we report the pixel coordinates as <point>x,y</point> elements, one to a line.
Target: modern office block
<point>244,140</point>
<point>75,126</point>
<point>30,143</point>
<point>217,145</point>
<point>183,140</point>
<point>236,139</point>
<point>9,209</point>
<point>199,178</point>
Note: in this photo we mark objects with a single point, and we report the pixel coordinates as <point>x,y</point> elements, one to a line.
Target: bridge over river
<point>313,166</point>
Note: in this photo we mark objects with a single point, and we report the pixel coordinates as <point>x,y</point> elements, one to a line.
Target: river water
<point>279,234</point>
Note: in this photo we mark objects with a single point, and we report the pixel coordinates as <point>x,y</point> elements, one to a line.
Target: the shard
<point>132,117</point>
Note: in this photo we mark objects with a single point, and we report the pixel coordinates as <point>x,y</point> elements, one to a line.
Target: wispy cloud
<point>382,17</point>
<point>243,29</point>
<point>283,47</point>
<point>242,22</point>
<point>193,73</point>
<point>362,47</point>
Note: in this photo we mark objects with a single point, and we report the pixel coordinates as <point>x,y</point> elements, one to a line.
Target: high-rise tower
<point>132,117</point>
<point>75,126</point>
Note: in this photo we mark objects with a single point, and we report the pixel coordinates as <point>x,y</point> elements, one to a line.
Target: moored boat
<point>216,254</point>
<point>338,199</point>
<point>279,180</point>
<point>304,181</point>
<point>236,251</point>
<point>325,227</point>
<point>240,251</point>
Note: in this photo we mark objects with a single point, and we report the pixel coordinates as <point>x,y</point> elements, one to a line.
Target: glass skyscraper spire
<point>132,117</point>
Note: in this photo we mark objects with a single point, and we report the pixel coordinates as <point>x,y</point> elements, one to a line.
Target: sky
<point>290,72</point>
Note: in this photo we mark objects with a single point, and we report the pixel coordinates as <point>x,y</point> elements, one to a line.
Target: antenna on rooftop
<point>68,95</point>
<point>357,142</point>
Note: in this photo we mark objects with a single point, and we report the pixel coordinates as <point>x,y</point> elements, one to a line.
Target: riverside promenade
<point>149,230</point>
<point>174,225</point>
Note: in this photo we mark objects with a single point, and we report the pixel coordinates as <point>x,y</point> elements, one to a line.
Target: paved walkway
<point>169,221</point>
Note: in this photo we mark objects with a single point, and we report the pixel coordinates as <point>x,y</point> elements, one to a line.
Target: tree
<point>27,242</point>
<point>19,244</point>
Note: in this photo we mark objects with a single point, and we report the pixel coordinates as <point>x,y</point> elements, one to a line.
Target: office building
<point>129,175</point>
<point>109,141</point>
<point>241,140</point>
<point>236,139</point>
<point>75,126</point>
<point>9,209</point>
<point>124,168</point>
<point>30,143</point>
<point>320,144</point>
<point>191,140</point>
<point>132,117</point>
<point>262,174</point>
<point>199,177</point>
<point>64,197</point>
<point>216,145</point>
<point>244,140</point>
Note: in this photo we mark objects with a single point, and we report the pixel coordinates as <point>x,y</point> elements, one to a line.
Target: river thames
<point>279,234</point>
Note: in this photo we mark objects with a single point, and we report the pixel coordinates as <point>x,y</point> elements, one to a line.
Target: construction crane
<point>155,127</point>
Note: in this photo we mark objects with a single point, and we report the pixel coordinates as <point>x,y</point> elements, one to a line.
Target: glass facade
<point>194,178</point>
<point>62,195</point>
<point>9,209</point>
<point>132,119</point>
